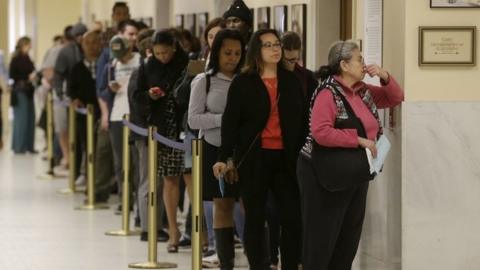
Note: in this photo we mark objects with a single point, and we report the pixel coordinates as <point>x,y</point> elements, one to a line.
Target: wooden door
<point>346,18</point>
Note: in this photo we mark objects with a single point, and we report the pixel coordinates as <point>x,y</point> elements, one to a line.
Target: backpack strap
<point>207,86</point>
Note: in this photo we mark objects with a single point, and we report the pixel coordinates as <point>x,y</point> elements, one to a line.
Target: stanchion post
<point>197,204</point>
<point>72,141</point>
<point>125,231</point>
<point>50,175</point>
<point>152,209</point>
<point>90,205</point>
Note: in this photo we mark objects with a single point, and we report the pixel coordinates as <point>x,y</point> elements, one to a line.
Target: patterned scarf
<point>332,84</point>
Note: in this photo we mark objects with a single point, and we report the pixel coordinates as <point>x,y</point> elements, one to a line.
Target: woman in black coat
<point>156,80</point>
<point>263,128</point>
<point>22,73</point>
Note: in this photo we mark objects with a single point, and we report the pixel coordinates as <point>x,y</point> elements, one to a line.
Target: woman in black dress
<point>156,80</point>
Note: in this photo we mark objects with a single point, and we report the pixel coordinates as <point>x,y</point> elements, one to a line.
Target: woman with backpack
<point>207,103</point>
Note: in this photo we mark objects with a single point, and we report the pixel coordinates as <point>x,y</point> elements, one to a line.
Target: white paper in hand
<point>383,147</point>
<point>370,160</point>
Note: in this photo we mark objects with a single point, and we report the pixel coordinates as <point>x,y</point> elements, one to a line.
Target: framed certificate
<point>447,46</point>
<point>455,3</point>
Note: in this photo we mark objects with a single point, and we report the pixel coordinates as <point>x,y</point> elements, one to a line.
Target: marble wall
<point>441,186</point>
<point>380,247</point>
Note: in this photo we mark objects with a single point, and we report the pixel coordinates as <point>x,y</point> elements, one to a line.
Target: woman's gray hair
<point>339,50</point>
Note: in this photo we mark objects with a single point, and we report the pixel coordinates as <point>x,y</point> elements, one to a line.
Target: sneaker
<point>237,242</point>
<point>211,261</point>
<point>209,253</point>
<point>81,181</point>
<point>160,237</point>
<point>163,235</point>
<point>184,242</point>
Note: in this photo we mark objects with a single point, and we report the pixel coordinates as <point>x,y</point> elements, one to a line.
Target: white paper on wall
<point>373,36</point>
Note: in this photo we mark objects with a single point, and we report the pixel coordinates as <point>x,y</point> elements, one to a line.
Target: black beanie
<point>240,10</point>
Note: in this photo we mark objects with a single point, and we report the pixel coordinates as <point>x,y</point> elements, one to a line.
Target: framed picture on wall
<point>447,45</point>
<point>263,18</point>
<point>455,3</point>
<point>299,26</point>
<point>148,21</point>
<point>280,18</point>
<point>201,24</point>
<point>179,21</point>
<point>189,23</point>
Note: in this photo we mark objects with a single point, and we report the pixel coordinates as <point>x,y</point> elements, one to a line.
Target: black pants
<point>332,221</point>
<point>81,143</point>
<point>272,168</point>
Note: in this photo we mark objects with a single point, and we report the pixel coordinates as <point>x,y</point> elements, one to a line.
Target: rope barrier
<point>159,138</point>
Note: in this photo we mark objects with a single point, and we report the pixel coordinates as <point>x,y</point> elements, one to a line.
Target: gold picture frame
<point>447,46</point>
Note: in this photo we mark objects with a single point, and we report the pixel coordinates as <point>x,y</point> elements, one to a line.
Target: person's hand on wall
<point>365,143</point>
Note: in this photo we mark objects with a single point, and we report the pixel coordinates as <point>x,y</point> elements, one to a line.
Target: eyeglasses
<point>268,45</point>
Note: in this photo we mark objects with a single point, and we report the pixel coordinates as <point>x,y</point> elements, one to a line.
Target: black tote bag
<point>340,168</point>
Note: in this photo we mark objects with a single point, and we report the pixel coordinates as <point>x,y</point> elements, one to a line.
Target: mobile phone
<point>158,91</point>
<point>221,185</point>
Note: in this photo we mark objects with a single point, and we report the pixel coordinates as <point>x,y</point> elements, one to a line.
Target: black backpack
<point>182,98</point>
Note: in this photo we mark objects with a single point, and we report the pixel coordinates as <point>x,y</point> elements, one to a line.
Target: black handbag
<point>340,168</point>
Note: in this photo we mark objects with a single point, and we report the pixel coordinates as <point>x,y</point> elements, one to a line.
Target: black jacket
<point>247,112</point>
<point>309,83</point>
<point>82,86</point>
<point>155,74</point>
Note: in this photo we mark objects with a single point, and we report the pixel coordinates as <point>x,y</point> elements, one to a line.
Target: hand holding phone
<point>157,91</point>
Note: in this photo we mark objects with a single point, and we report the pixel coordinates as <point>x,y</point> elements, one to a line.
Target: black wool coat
<point>246,114</point>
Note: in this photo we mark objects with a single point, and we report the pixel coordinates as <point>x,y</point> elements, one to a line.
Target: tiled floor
<point>39,228</point>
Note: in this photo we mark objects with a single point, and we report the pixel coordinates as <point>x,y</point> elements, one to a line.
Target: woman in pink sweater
<point>343,114</point>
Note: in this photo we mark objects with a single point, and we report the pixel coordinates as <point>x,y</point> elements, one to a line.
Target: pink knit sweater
<point>324,113</point>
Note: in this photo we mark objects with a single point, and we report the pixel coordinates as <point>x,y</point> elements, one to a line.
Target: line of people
<point>261,116</point>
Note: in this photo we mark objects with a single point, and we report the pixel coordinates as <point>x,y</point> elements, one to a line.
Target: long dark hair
<point>214,63</point>
<point>20,43</point>
<point>253,59</point>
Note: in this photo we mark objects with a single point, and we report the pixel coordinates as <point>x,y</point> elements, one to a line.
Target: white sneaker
<point>211,261</point>
<point>81,181</point>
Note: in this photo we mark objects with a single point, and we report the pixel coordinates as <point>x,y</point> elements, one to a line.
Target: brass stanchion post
<point>197,204</point>
<point>125,231</point>
<point>152,209</point>
<point>90,205</point>
<point>72,141</point>
<point>50,175</point>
